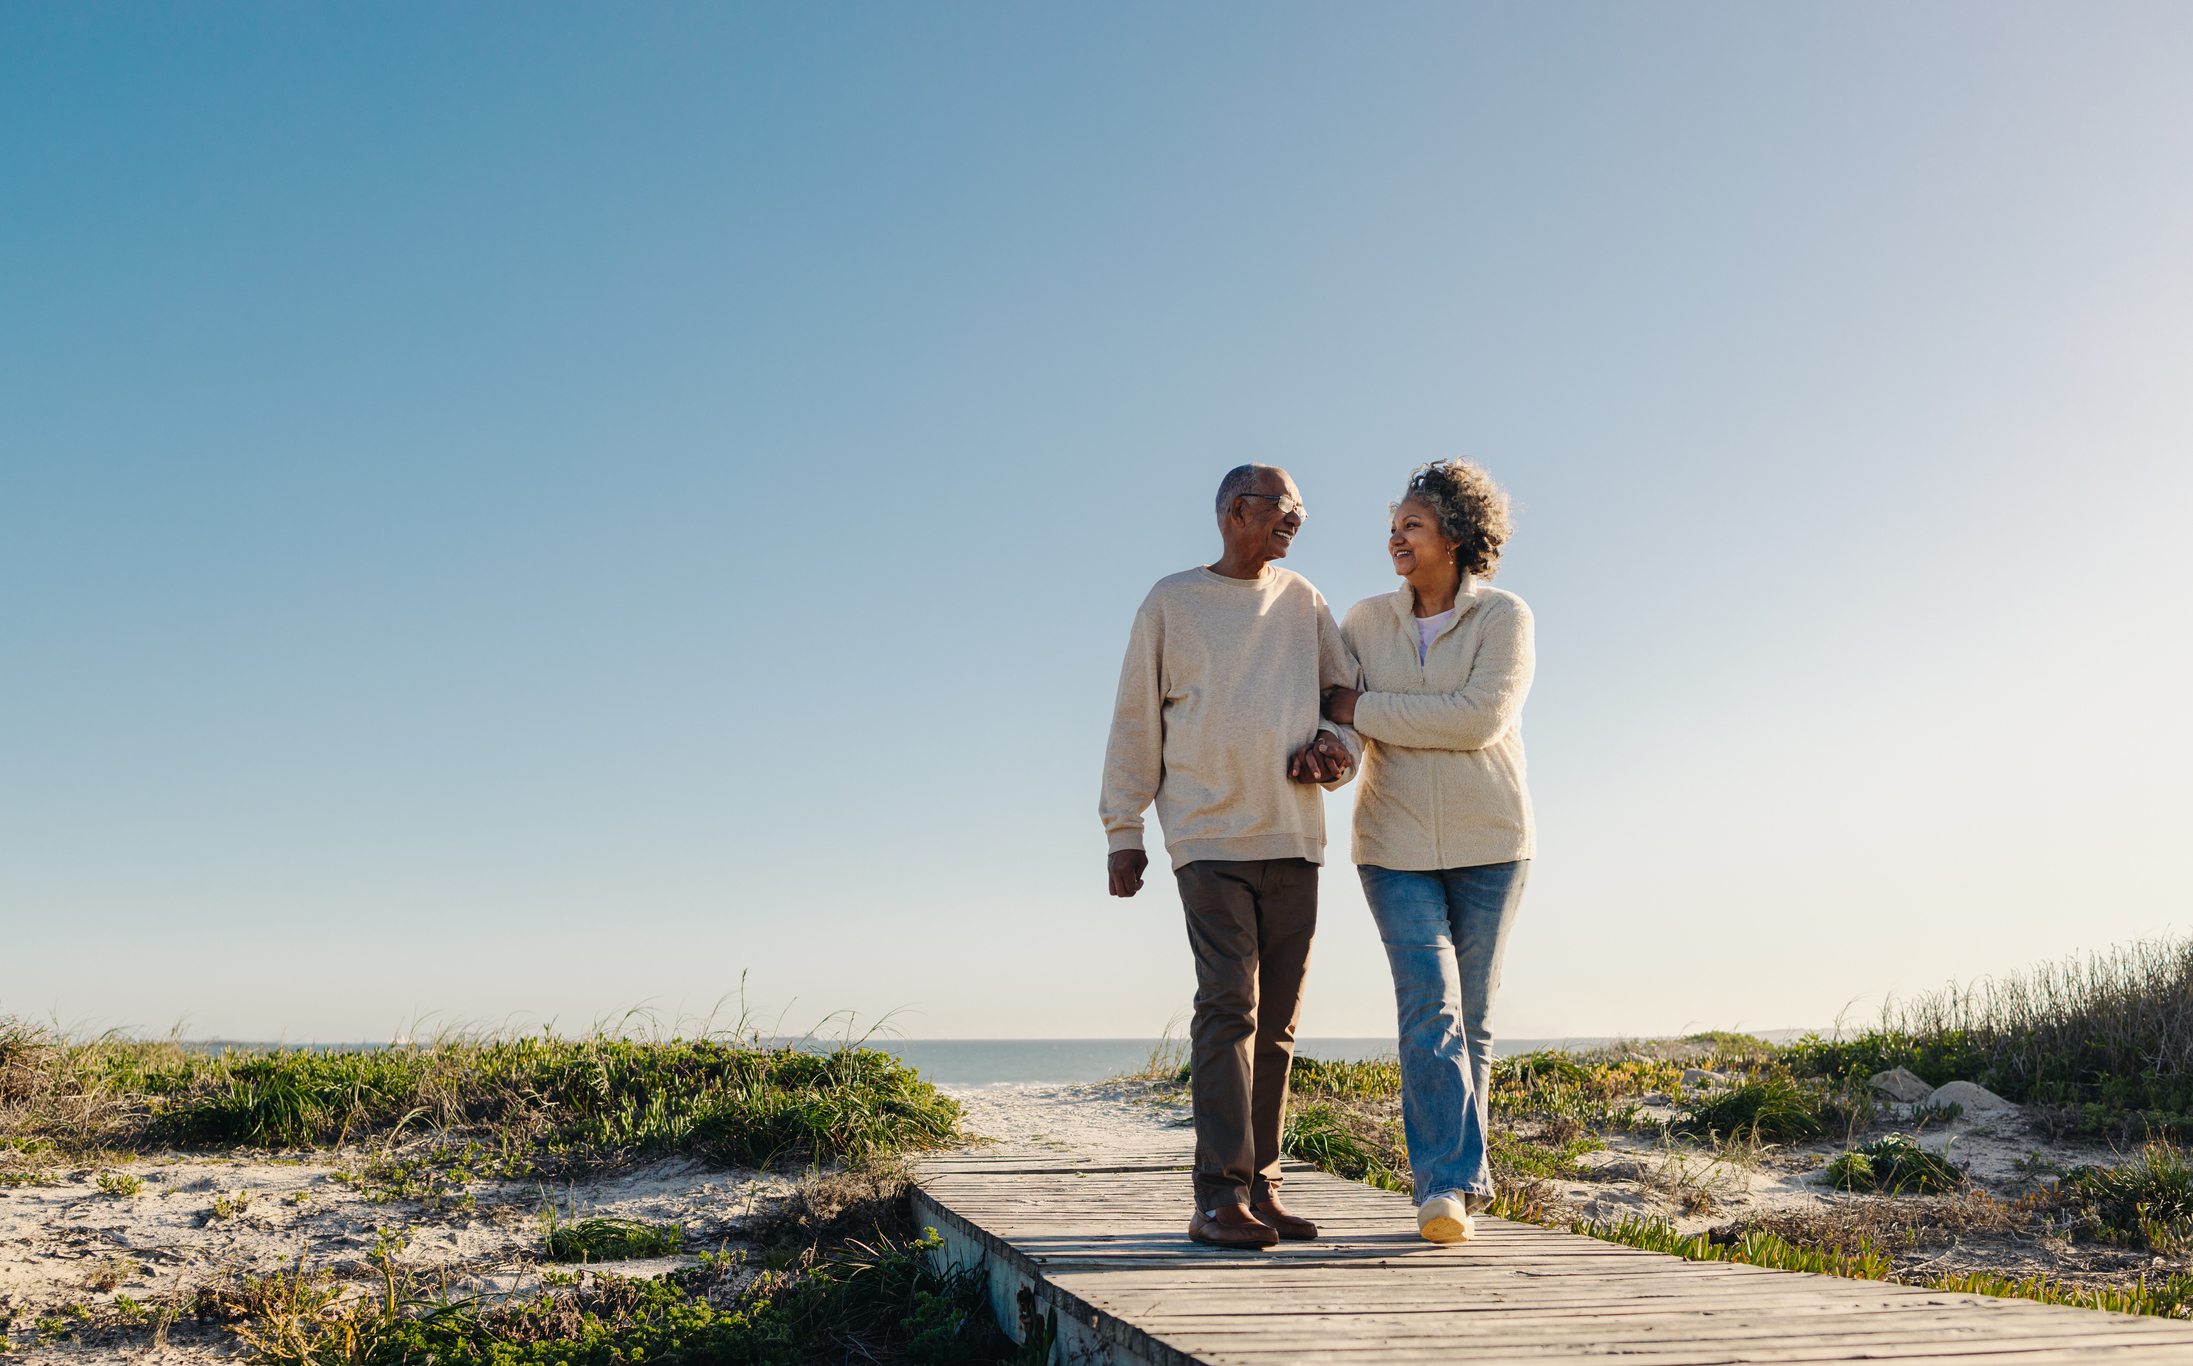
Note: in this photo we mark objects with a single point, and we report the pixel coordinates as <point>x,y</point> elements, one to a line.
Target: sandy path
<point>1681,1181</point>
<point>1080,1118</point>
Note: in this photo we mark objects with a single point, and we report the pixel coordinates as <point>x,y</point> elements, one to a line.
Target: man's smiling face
<point>1272,514</point>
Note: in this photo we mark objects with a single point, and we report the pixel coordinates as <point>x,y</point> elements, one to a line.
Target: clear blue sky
<point>521,512</point>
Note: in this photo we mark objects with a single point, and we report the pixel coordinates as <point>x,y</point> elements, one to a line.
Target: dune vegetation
<point>2100,1045</point>
<point>2098,1051</point>
<point>526,1104</point>
<point>836,1272</point>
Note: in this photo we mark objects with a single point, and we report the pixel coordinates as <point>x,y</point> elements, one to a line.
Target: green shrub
<point>1371,1079</point>
<point>1951,1055</point>
<point>1775,1110</point>
<point>1894,1163</point>
<point>2146,1202</point>
<point>1319,1135</point>
<point>1546,1067</point>
<point>610,1240</point>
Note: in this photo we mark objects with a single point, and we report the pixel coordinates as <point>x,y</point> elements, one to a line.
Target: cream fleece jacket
<point>1443,772</point>
<point>1222,682</point>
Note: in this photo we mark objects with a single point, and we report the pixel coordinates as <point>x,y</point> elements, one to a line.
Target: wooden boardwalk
<point>1102,1242</point>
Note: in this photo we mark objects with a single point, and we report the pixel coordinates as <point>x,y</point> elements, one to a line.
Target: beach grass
<point>1336,1140</point>
<point>1168,1061</point>
<point>522,1103</point>
<point>2100,1045</point>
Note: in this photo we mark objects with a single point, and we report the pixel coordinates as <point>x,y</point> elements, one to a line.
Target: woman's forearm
<point>1466,720</point>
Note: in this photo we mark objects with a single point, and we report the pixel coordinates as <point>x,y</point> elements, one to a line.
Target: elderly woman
<point>1442,818</point>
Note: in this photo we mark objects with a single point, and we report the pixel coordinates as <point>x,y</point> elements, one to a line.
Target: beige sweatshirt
<point>1221,684</point>
<point>1443,773</point>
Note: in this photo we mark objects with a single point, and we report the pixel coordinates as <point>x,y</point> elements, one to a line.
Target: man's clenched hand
<point>1125,868</point>
<point>1320,761</point>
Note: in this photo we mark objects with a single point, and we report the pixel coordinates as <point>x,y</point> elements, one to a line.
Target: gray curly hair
<point>1473,511</point>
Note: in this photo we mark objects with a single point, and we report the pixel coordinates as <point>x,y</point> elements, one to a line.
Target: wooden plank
<point>1676,1327</point>
<point>1251,1332</point>
<point>1468,1306</point>
<point>2007,1353</point>
<point>1829,1348</point>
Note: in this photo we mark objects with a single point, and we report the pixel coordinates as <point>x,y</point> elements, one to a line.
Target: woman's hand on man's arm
<point>1340,705</point>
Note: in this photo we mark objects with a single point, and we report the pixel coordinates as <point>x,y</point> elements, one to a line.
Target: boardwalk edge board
<point>1020,1296</point>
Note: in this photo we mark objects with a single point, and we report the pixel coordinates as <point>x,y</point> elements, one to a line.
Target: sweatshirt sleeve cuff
<point>1123,839</point>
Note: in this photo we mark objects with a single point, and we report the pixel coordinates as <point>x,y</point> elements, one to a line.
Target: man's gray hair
<point>1239,480</point>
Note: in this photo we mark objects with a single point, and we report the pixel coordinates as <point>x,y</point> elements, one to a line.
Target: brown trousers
<point>1249,924</point>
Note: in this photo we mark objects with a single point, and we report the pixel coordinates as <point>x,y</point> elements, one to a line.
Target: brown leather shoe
<point>1231,1226</point>
<point>1290,1226</point>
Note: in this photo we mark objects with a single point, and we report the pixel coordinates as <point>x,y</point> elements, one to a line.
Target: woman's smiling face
<point>1416,542</point>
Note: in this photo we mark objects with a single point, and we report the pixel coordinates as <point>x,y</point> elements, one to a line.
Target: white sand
<point>1641,1176</point>
<point>169,1239</point>
<point>1079,1118</point>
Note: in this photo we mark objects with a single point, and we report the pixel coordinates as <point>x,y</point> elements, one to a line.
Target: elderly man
<point>1217,722</point>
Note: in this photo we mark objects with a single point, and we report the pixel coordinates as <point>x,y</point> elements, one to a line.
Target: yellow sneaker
<point>1445,1218</point>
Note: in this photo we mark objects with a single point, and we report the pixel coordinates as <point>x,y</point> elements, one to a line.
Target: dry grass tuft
<point>864,1201</point>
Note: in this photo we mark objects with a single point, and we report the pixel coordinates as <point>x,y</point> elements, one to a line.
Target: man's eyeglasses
<point>1287,503</point>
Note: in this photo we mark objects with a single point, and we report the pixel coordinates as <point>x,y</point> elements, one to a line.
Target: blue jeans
<point>1444,932</point>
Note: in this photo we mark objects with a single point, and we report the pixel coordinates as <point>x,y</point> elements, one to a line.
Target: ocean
<point>1020,1062</point>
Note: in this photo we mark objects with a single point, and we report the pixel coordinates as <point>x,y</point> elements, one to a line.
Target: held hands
<point>1340,705</point>
<point>1125,870</point>
<point>1320,761</point>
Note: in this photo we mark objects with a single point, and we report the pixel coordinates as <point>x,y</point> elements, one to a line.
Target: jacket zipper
<point>1424,687</point>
